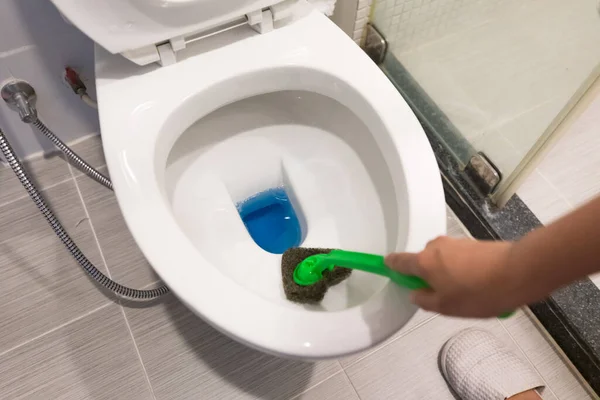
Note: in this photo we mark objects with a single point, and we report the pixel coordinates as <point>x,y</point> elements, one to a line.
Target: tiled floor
<point>62,338</point>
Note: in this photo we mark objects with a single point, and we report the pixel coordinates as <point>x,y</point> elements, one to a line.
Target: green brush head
<point>313,293</point>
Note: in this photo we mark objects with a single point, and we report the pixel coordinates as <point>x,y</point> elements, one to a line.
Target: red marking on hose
<point>74,81</point>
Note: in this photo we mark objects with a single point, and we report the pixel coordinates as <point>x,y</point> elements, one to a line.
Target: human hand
<point>468,278</point>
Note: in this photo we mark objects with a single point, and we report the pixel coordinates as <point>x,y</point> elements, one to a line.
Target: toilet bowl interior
<point>290,131</point>
<point>311,148</point>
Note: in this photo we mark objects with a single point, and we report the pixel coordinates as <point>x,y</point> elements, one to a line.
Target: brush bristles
<point>308,294</point>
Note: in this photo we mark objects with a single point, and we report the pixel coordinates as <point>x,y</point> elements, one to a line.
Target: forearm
<point>564,251</point>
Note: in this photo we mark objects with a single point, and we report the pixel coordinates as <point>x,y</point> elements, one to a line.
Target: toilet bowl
<point>240,112</point>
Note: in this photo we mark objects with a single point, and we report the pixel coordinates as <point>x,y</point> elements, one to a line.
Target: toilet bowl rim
<point>123,151</point>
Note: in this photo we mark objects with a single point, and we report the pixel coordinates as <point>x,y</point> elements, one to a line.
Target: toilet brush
<point>308,273</point>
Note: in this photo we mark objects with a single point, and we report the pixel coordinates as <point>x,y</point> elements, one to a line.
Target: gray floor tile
<point>91,358</point>
<point>41,285</point>
<point>419,318</point>
<point>44,172</point>
<point>125,261</point>
<point>185,358</point>
<point>407,369</point>
<point>544,357</point>
<point>90,149</point>
<point>337,387</point>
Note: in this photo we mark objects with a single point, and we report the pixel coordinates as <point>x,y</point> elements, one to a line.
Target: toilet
<point>204,104</point>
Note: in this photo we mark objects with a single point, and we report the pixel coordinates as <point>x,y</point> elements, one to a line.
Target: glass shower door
<point>496,76</point>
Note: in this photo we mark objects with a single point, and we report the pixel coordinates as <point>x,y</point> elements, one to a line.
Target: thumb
<point>405,263</point>
<point>427,299</point>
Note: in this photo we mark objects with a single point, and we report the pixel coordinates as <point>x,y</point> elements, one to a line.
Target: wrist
<point>528,279</point>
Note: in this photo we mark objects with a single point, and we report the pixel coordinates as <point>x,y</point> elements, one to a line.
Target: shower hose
<point>38,199</point>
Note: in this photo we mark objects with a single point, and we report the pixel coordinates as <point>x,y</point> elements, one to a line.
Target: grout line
<point>39,156</point>
<point>82,139</point>
<point>4,54</point>
<point>341,371</point>
<point>87,214</point>
<point>56,328</point>
<point>73,177</point>
<point>508,119</point>
<point>352,385</point>
<point>404,334</point>
<point>562,357</point>
<point>527,357</point>
<point>41,189</point>
<point>151,284</point>
<point>556,189</point>
<point>137,350</point>
<point>77,173</point>
<point>318,383</point>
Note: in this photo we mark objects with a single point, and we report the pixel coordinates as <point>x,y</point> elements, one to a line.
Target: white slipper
<point>478,366</point>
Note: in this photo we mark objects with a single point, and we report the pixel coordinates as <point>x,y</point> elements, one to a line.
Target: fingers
<point>427,299</point>
<point>407,263</point>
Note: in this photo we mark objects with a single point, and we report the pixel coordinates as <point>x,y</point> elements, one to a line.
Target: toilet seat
<point>143,110</point>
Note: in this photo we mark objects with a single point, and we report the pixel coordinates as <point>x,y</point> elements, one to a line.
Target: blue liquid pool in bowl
<point>271,220</point>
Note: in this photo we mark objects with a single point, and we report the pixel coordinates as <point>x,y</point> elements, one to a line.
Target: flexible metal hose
<point>73,158</point>
<point>39,201</point>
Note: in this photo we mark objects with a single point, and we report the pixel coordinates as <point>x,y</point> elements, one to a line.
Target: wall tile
<point>362,17</point>
<point>186,358</point>
<point>33,22</point>
<point>426,21</point>
<point>91,358</point>
<point>41,285</point>
<point>58,107</point>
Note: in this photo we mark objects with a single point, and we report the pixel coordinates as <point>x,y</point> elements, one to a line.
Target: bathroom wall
<point>352,17</point>
<point>344,15</point>
<point>362,17</point>
<point>35,45</point>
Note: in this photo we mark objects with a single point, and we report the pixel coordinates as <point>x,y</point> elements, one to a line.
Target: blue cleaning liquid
<point>271,220</point>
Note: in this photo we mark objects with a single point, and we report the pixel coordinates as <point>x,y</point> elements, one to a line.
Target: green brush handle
<point>374,264</point>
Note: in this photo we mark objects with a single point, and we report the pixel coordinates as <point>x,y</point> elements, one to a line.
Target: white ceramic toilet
<point>205,103</point>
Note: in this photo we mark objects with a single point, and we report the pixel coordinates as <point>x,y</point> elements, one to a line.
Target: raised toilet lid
<point>122,26</point>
